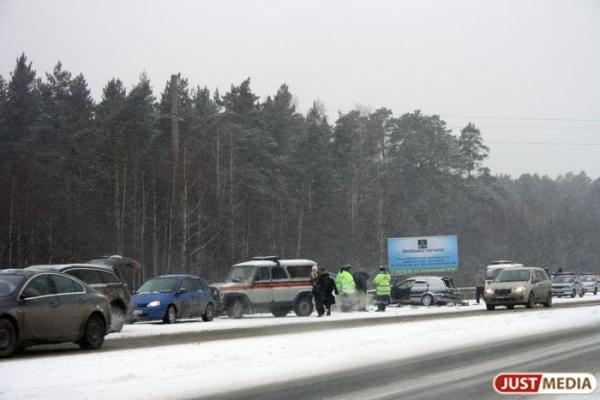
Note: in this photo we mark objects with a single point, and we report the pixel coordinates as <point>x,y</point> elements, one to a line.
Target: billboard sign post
<point>423,254</point>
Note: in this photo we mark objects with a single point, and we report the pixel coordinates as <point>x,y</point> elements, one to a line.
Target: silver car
<point>567,284</point>
<point>589,282</point>
<point>513,286</point>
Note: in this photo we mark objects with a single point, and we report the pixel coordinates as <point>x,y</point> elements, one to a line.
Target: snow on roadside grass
<point>262,320</point>
<point>179,371</point>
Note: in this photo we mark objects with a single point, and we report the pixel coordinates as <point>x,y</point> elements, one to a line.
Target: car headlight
<point>489,291</point>
<point>520,289</point>
<point>154,303</point>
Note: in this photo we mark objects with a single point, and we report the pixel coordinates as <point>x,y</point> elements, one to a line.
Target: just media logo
<point>545,383</point>
<point>422,244</point>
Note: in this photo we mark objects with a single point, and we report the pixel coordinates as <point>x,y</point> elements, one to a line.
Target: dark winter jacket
<point>361,279</point>
<point>324,288</point>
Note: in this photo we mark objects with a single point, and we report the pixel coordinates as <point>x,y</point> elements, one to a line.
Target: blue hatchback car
<point>169,297</point>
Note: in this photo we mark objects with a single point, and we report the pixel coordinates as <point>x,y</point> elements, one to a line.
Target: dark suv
<point>426,290</point>
<point>104,280</point>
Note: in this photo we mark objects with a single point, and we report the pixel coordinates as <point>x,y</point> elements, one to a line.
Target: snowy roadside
<point>179,371</point>
<point>263,320</point>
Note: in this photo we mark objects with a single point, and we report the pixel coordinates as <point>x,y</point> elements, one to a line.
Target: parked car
<point>590,281</point>
<point>513,286</point>
<point>269,284</point>
<point>41,307</point>
<point>169,297</point>
<point>493,270</point>
<point>104,280</point>
<point>567,284</point>
<point>425,290</point>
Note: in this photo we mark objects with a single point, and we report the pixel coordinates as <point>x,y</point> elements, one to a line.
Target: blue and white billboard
<point>423,254</point>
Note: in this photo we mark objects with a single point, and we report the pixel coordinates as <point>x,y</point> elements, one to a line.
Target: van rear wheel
<point>235,309</point>
<point>427,300</point>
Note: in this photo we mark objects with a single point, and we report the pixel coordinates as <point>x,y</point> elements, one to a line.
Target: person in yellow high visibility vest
<point>346,287</point>
<point>382,282</point>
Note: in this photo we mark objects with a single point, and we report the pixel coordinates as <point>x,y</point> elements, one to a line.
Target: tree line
<point>192,181</point>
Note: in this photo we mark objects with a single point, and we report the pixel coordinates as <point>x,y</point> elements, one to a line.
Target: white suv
<point>268,284</point>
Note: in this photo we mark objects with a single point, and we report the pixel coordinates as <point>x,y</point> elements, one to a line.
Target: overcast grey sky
<point>464,60</point>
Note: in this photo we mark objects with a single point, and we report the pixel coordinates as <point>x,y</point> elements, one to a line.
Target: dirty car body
<point>426,290</point>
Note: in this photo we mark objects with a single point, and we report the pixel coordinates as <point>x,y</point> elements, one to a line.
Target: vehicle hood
<point>141,299</point>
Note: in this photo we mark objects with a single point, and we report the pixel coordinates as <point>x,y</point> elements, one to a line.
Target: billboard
<point>423,254</point>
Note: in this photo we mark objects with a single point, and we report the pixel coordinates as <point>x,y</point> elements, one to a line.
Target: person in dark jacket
<point>324,289</point>
<point>361,278</point>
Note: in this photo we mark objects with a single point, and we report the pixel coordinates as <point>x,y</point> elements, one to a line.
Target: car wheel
<point>530,301</point>
<point>171,315</point>
<point>93,337</point>
<point>280,311</point>
<point>427,300</point>
<point>582,293</point>
<point>9,340</point>
<point>209,314</point>
<point>510,306</point>
<point>235,309</point>
<point>548,302</point>
<point>490,307</point>
<point>573,293</point>
<point>595,291</point>
<point>304,307</point>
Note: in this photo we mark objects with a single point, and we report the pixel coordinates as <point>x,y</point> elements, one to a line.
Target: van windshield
<point>492,274</point>
<point>588,278</point>
<point>513,275</point>
<point>240,274</point>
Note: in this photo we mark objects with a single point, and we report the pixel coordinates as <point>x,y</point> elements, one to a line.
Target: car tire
<point>548,302</point>
<point>427,300</point>
<point>93,336</point>
<point>510,307</point>
<point>9,338</point>
<point>595,291</point>
<point>280,311</point>
<point>582,293</point>
<point>171,315</point>
<point>574,293</point>
<point>303,307</point>
<point>235,309</point>
<point>530,301</point>
<point>490,307</point>
<point>209,314</point>
<point>117,320</point>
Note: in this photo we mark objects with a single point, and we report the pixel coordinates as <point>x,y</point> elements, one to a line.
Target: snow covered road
<point>219,366</point>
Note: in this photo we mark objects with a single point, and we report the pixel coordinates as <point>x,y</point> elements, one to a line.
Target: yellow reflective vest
<point>345,283</point>
<point>382,283</point>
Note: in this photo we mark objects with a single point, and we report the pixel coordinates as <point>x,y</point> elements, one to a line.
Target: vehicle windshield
<point>159,285</point>
<point>588,278</point>
<point>9,284</point>
<point>492,274</point>
<point>563,279</point>
<point>513,275</point>
<point>240,274</point>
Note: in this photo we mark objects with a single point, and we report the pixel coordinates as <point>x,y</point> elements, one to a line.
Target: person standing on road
<point>325,287</point>
<point>346,287</point>
<point>382,284</point>
<point>479,283</point>
<point>361,279</point>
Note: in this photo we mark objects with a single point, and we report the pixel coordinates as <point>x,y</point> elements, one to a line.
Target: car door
<point>262,290</point>
<point>73,308</point>
<point>418,290</point>
<point>185,297</point>
<point>402,291</point>
<point>281,289</point>
<point>200,297</point>
<point>40,304</point>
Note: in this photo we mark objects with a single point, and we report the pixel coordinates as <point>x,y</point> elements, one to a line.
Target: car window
<point>278,273</point>
<point>65,285</point>
<point>406,284</point>
<point>38,286</point>
<point>186,284</point>
<point>89,276</point>
<point>159,285</point>
<point>197,285</point>
<point>299,271</point>
<point>262,274</point>
<point>540,275</point>
<point>107,277</point>
<point>420,285</point>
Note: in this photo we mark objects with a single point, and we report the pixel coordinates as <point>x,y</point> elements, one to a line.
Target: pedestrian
<point>346,288</point>
<point>325,287</point>
<point>382,284</point>
<point>361,279</point>
<point>479,283</point>
<point>314,275</point>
